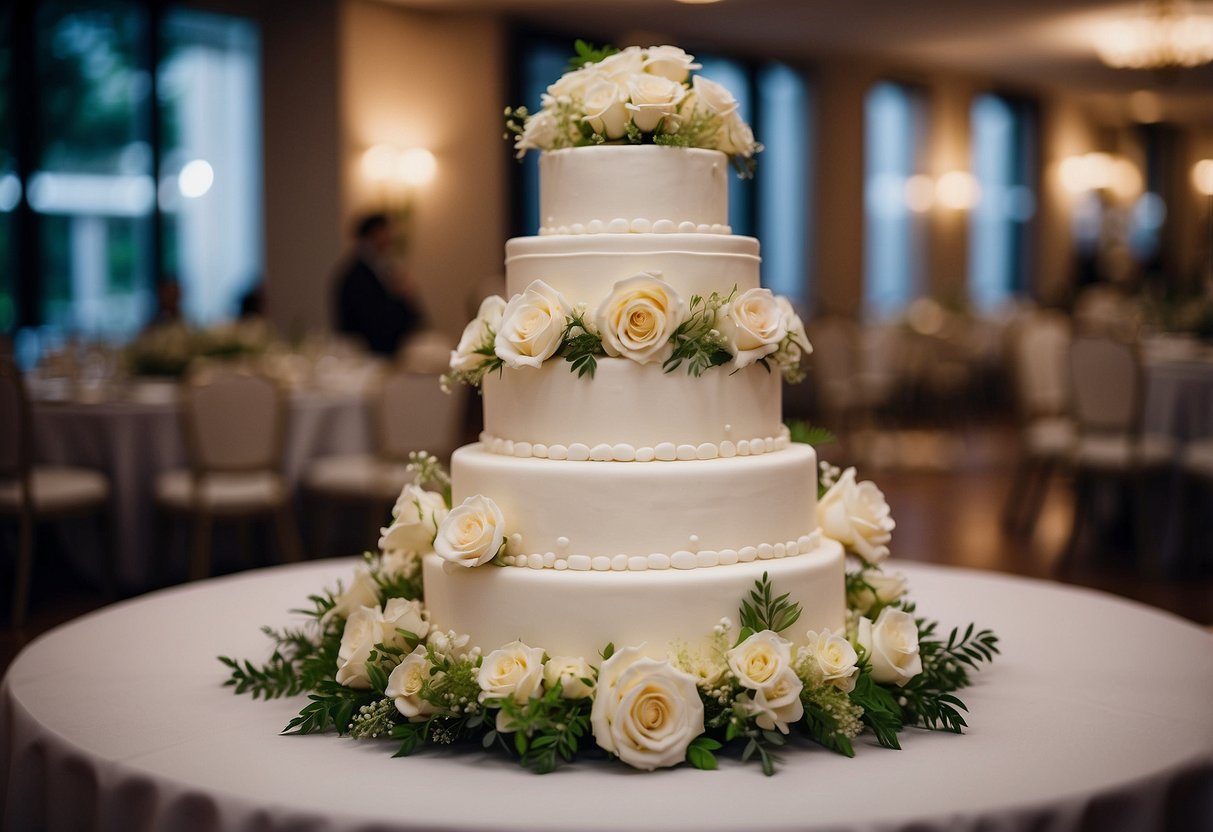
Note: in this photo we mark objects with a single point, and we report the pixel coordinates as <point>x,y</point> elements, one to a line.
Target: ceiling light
<point>1163,36</point>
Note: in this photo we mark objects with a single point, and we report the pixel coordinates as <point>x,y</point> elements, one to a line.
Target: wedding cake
<point>643,499</point>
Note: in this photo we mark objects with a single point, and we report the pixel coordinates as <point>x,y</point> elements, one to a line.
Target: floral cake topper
<point>635,96</point>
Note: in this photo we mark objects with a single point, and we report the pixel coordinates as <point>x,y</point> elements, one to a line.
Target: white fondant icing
<point>535,561</point>
<point>707,450</point>
<point>765,551</point>
<point>707,559</point>
<point>638,563</point>
<point>581,185</point>
<point>522,449</point>
<point>728,557</point>
<point>601,452</point>
<point>686,452</point>
<point>601,563</point>
<point>580,563</point>
<point>622,452</point>
<point>540,450</point>
<point>645,454</point>
<point>743,447</point>
<point>665,227</point>
<point>584,269</point>
<point>641,226</point>
<point>683,560</point>
<point>658,560</point>
<point>618,226</point>
<point>619,563</point>
<point>558,452</point>
<point>579,452</point>
<point>655,606</point>
<point>747,553</point>
<point>727,448</point>
<point>781,550</point>
<point>666,451</point>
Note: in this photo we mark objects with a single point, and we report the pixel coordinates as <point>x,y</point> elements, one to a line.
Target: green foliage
<point>880,710</point>
<point>699,753</point>
<point>587,53</point>
<point>810,434</point>
<point>831,718</point>
<point>547,728</point>
<point>696,340</point>
<point>763,611</point>
<point>400,585</point>
<point>946,668</point>
<point>274,679</point>
<point>580,346</point>
<point>331,705</point>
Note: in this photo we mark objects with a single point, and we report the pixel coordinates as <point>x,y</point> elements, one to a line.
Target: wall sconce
<point>1202,177</point>
<point>1100,172</point>
<point>957,189</point>
<point>399,171</point>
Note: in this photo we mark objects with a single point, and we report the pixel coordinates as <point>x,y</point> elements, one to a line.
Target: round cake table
<point>1097,716</point>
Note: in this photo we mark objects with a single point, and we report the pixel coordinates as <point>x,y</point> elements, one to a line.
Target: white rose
<point>763,664</point>
<point>713,97</point>
<point>604,108</point>
<point>406,681</point>
<point>892,646</point>
<point>540,133</point>
<point>569,671</point>
<point>857,516</point>
<point>654,98</point>
<point>363,592</point>
<point>622,65</point>
<point>645,711</point>
<point>472,534</point>
<point>669,62</point>
<point>752,325</point>
<point>415,520</point>
<point>399,564</point>
<point>834,657</point>
<point>882,588</point>
<point>793,324</point>
<point>737,137</point>
<point>532,325</point>
<point>573,83</point>
<point>513,672</point>
<point>477,335</point>
<point>401,614</point>
<point>362,632</point>
<point>637,319</point>
<point>448,643</point>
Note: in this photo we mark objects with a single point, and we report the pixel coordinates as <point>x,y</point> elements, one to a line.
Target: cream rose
<point>857,516</point>
<point>882,588</point>
<point>572,84</point>
<point>531,327</point>
<point>892,645</point>
<point>541,132</point>
<point>793,324</point>
<point>570,672</point>
<point>472,533</point>
<point>763,664</point>
<point>669,62</point>
<point>604,108</point>
<point>362,592</point>
<point>752,325</point>
<point>513,672</point>
<point>713,97</point>
<point>622,65</point>
<point>362,632</point>
<point>405,683</point>
<point>478,335</point>
<point>653,98</point>
<point>645,711</point>
<point>637,319</point>
<point>400,614</point>
<point>738,137</point>
<point>834,657</point>
<point>415,521</point>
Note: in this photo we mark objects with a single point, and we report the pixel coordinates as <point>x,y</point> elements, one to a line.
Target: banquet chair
<point>1039,357</point>
<point>408,412</point>
<point>30,493</point>
<point>234,423</point>
<point>1107,390</point>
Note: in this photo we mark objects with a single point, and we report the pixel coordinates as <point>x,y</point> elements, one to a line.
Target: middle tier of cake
<point>619,516</point>
<point>632,412</point>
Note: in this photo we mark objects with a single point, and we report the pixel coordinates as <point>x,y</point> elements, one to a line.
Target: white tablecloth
<point>1097,716</point>
<point>133,441</point>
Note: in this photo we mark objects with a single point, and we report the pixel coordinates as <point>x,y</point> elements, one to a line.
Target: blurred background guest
<point>374,298</point>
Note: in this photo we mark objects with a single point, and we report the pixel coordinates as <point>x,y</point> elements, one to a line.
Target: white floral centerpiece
<point>375,666</point>
<point>635,96</point>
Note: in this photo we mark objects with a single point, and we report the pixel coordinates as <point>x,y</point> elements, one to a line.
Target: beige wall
<point>302,189</point>
<point>410,79</point>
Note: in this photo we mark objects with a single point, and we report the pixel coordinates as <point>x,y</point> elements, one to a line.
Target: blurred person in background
<point>374,299</point>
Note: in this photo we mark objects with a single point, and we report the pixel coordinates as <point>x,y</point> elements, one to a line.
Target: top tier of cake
<point>633,189</point>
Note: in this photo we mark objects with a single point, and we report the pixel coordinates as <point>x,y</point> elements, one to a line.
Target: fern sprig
<point>580,345</point>
<point>763,611</point>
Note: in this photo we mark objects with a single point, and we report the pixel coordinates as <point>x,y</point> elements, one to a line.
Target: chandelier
<point>1163,36</point>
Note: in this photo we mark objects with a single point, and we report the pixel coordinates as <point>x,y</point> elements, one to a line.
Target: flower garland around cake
<point>635,96</point>
<point>643,319</point>
<point>374,665</point>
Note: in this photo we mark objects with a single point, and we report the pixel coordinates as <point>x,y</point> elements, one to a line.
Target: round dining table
<point>1095,717</point>
<point>135,438</point>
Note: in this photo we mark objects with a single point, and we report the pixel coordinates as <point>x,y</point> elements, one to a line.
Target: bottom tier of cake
<point>578,613</point>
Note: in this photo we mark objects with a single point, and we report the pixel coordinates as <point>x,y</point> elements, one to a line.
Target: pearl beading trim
<point>620,225</point>
<point>623,452</point>
<point>683,559</point>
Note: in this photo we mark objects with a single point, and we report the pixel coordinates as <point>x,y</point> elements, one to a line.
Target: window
<point>1003,158</point>
<point>894,234</point>
<point>774,206</point>
<point>141,162</point>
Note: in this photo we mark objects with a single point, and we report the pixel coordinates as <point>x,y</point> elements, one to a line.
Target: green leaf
<point>810,434</point>
<point>699,753</point>
<point>764,612</point>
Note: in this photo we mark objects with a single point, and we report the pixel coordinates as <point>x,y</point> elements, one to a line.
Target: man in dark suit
<point>374,300</point>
